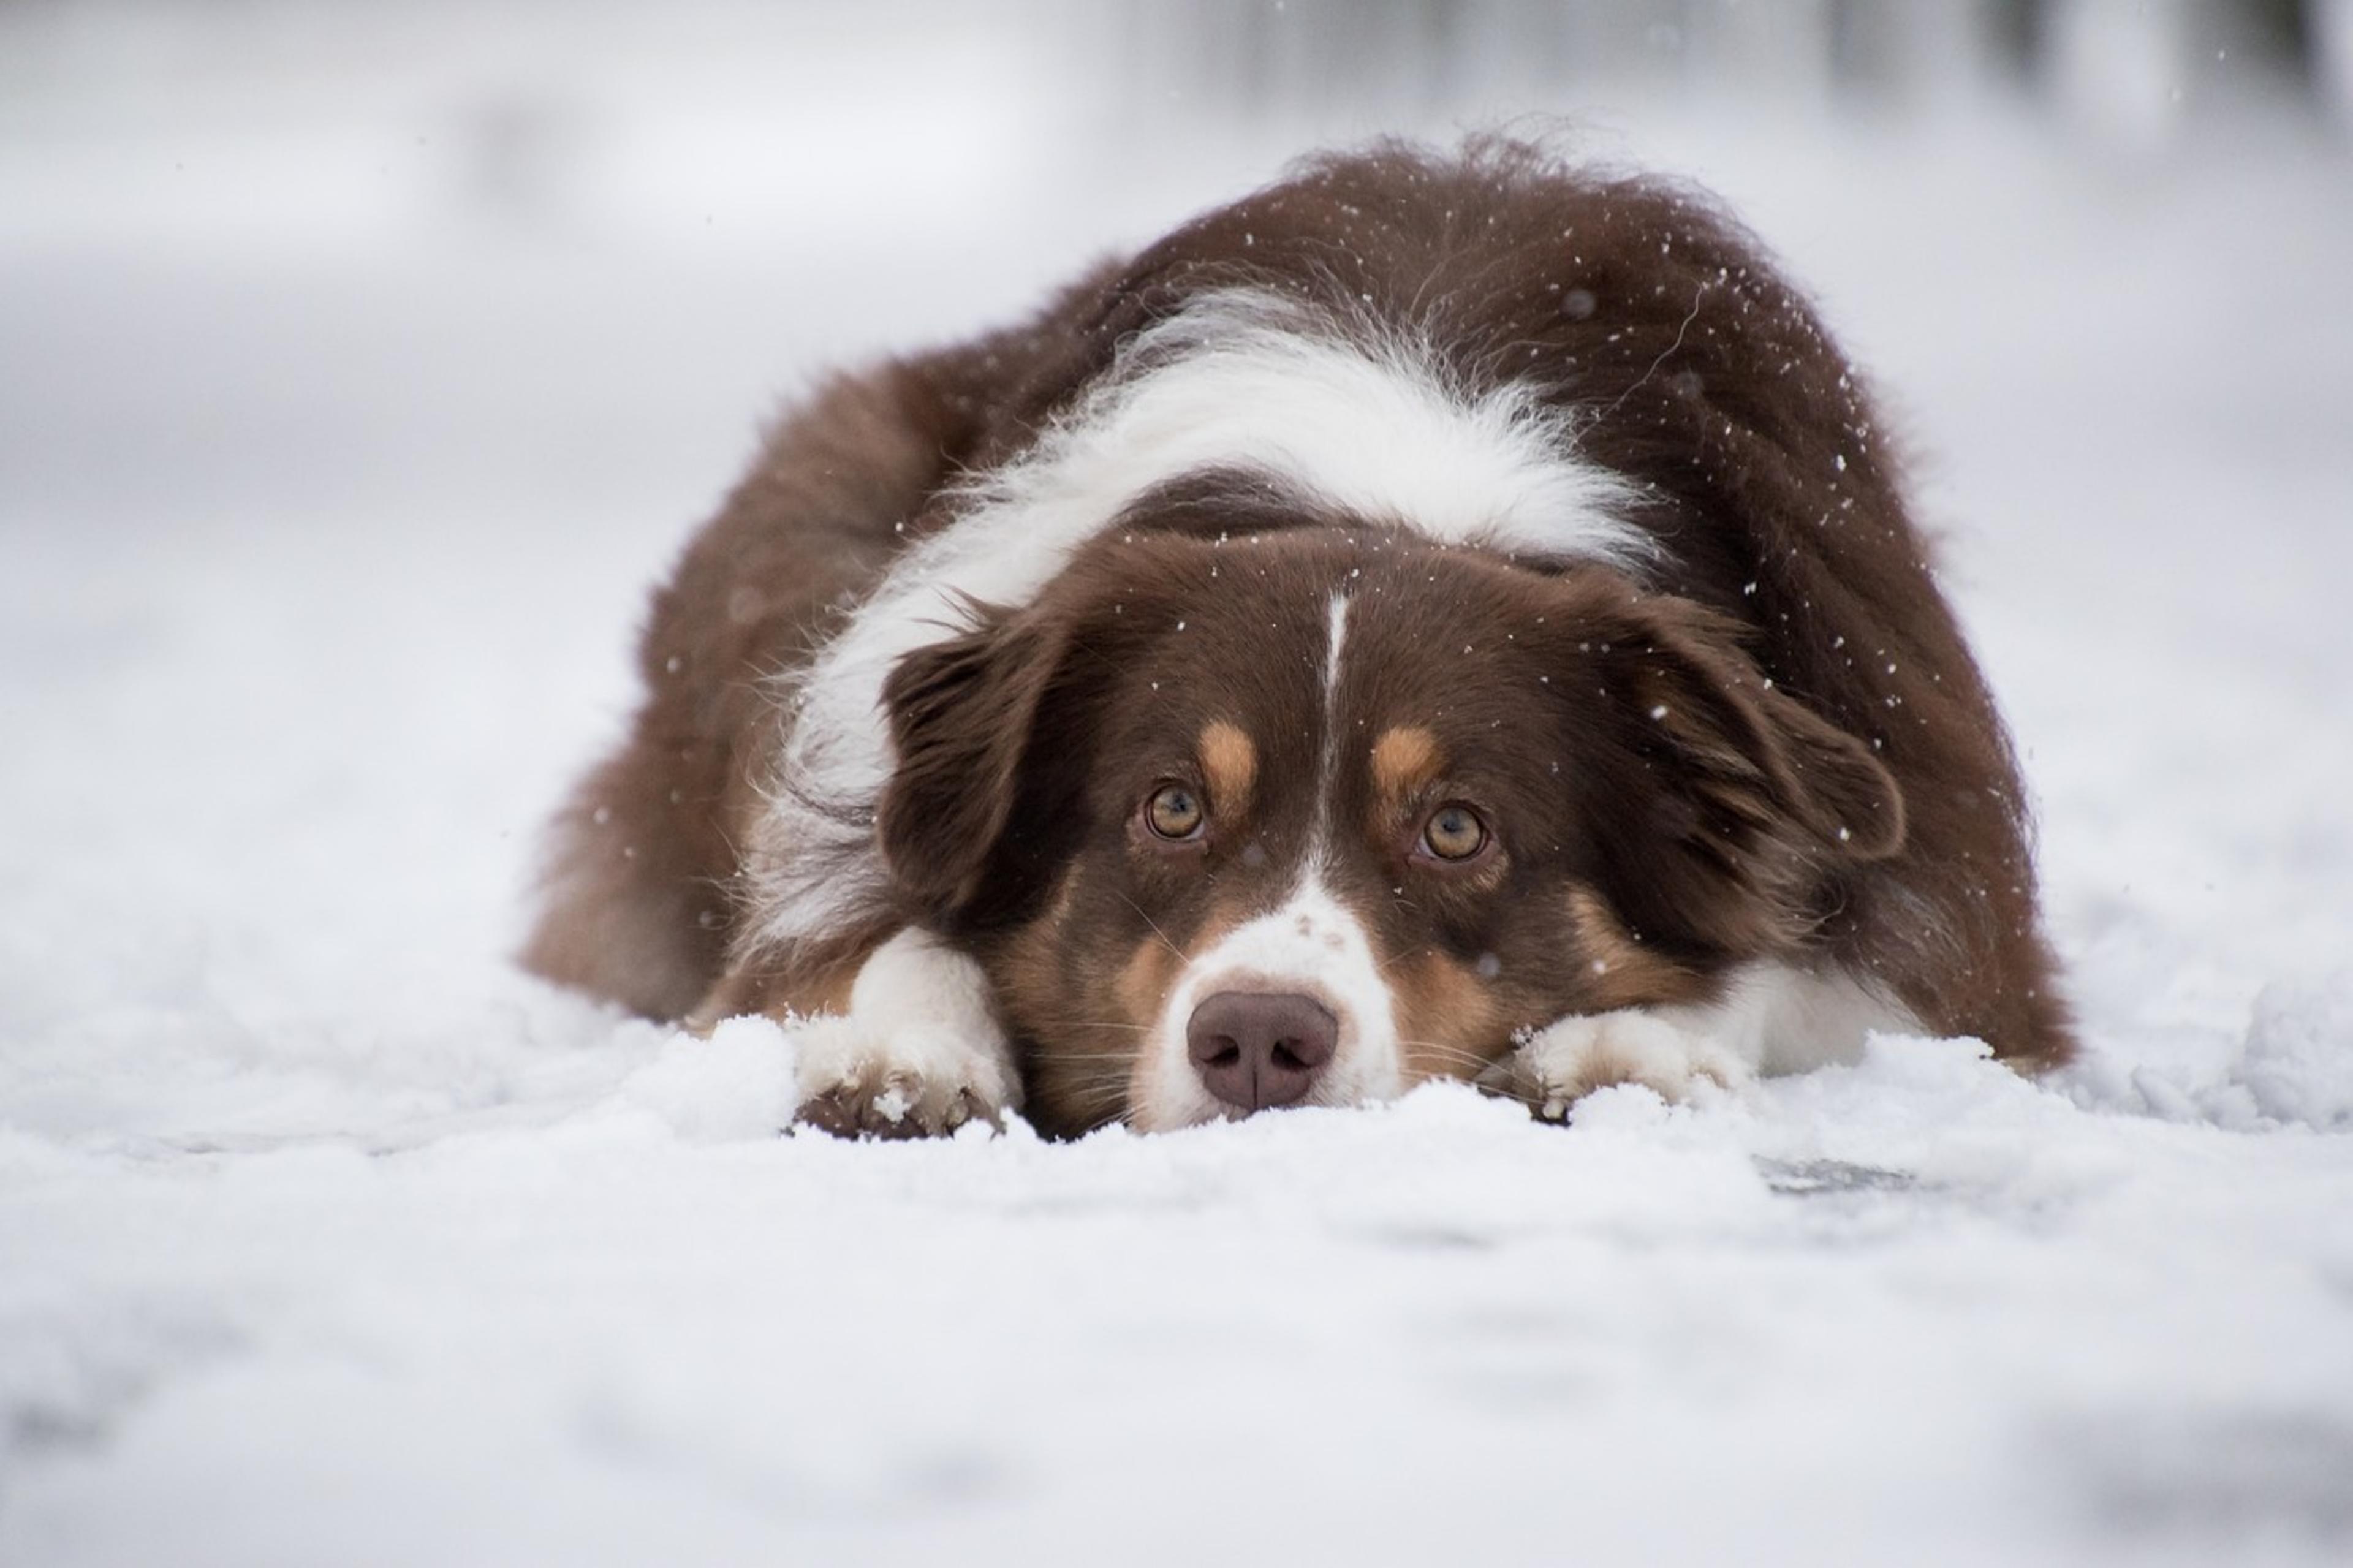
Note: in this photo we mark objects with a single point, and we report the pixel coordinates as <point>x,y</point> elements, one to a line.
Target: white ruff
<point>1348,416</point>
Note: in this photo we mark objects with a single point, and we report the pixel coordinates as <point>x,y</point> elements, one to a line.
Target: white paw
<point>855,1084</point>
<point>920,1054</point>
<point>1561,1064</point>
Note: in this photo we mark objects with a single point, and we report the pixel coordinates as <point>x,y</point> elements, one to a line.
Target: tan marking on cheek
<point>1613,968</point>
<point>1405,759</point>
<point>1153,970</point>
<point>1450,1023</point>
<point>1230,761</point>
<point>1144,982</point>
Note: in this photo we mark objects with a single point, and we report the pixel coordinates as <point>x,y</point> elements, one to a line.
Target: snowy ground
<point>343,419</point>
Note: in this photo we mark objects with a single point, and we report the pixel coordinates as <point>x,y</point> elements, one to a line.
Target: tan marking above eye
<point>1230,761</point>
<point>1405,759</point>
<point>1174,812</point>
<point>1454,832</point>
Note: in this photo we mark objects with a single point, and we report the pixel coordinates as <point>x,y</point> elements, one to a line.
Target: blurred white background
<point>268,251</point>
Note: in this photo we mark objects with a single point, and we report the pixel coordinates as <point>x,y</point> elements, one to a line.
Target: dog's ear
<point>1753,792</point>
<point>1742,740</point>
<point>964,714</point>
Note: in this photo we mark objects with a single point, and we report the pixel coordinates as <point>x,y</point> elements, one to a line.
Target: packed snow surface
<point>325,510</point>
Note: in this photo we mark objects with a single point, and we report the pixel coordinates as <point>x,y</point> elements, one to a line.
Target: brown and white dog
<point>1442,615</point>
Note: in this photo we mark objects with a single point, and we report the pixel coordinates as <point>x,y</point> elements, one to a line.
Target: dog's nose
<point>1254,1050</point>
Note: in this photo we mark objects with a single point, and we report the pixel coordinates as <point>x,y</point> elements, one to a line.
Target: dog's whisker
<point>1453,1054</point>
<point>1119,1114</point>
<point>1077,1070</point>
<point>1147,919</point>
<point>1090,1074</point>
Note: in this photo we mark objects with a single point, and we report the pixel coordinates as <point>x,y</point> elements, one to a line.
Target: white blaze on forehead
<point>1337,634</point>
<point>1327,771</point>
<point>1312,945</point>
<point>1352,414</point>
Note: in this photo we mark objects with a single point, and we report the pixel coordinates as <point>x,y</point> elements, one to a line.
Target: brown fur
<point>1451,1023</point>
<point>1784,749</point>
<point>1623,969</point>
<point>1670,848</point>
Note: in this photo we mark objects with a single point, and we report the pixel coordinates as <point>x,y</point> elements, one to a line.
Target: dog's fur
<point>1414,485</point>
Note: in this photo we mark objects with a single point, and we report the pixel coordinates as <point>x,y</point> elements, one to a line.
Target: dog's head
<point>1307,815</point>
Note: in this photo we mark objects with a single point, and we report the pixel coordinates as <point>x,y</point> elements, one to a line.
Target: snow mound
<point>735,1085</point>
<point>2297,1062</point>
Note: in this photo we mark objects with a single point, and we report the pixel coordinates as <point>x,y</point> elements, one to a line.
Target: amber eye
<point>1174,812</point>
<point>1454,833</point>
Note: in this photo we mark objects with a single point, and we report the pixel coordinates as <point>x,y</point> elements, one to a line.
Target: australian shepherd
<point>1443,616</point>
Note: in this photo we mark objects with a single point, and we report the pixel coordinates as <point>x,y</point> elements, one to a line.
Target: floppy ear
<point>963,714</point>
<point>1753,791</point>
<point>1831,781</point>
<point>1745,743</point>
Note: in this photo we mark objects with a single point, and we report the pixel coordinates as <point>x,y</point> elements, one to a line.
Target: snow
<point>328,498</point>
<point>2295,1063</point>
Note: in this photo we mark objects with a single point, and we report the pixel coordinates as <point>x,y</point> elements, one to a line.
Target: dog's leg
<point>1562,1063</point>
<point>918,1053</point>
<point>1770,1018</point>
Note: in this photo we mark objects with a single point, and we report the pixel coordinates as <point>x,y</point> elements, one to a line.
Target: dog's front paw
<point>924,1085</point>
<point>1561,1064</point>
<point>920,1054</point>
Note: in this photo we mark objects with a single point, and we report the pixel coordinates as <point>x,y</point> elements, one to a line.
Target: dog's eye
<point>1174,812</point>
<point>1454,833</point>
